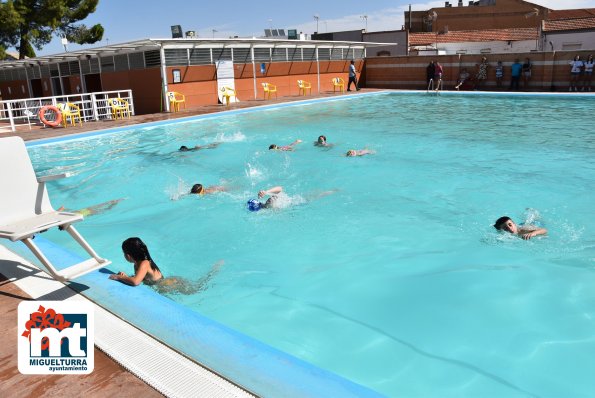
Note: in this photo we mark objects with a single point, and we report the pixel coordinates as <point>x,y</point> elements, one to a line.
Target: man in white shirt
<point>352,77</point>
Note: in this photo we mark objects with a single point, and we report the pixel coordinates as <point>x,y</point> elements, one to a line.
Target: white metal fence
<point>94,106</point>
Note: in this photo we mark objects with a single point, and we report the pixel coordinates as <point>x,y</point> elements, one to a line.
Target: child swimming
<point>212,145</point>
<point>289,147</point>
<point>95,209</point>
<point>524,231</point>
<point>199,189</point>
<point>322,142</point>
<point>358,152</point>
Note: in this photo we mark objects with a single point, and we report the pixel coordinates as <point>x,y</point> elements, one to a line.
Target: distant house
<point>474,41</point>
<point>569,30</point>
<point>394,36</point>
<point>397,37</point>
<point>476,15</point>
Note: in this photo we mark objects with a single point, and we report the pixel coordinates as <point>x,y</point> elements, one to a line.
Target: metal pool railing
<point>93,106</point>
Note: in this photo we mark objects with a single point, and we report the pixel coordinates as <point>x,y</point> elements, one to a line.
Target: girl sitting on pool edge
<point>146,271</point>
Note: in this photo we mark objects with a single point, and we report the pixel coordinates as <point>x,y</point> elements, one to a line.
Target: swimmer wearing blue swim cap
<point>254,205</point>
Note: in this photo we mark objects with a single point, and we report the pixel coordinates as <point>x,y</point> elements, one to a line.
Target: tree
<point>32,23</point>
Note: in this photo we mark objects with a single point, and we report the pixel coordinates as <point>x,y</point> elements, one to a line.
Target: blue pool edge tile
<point>247,362</point>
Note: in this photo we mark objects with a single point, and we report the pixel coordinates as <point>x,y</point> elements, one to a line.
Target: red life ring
<point>51,123</point>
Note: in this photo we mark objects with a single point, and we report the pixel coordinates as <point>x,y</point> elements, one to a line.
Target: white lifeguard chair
<point>25,209</point>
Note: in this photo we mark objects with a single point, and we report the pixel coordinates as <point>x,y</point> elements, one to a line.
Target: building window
<point>571,46</point>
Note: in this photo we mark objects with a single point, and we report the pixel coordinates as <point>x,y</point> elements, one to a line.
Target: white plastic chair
<point>25,209</point>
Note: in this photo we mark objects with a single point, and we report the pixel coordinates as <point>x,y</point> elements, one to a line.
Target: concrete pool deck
<point>38,131</point>
<point>109,377</point>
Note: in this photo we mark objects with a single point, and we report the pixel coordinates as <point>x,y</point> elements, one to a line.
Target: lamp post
<point>214,31</point>
<point>270,23</point>
<point>316,17</point>
<point>365,17</point>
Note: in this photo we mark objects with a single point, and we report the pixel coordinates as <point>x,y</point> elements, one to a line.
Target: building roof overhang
<point>190,43</point>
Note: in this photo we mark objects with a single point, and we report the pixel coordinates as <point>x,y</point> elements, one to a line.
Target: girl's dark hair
<point>272,146</point>
<point>136,249</point>
<point>500,222</point>
<point>196,188</point>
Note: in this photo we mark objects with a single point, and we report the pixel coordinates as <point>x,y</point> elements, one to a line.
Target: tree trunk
<point>25,48</point>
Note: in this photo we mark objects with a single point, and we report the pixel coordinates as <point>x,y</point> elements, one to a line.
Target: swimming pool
<point>396,280</point>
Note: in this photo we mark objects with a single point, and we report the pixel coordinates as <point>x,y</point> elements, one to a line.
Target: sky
<point>128,20</point>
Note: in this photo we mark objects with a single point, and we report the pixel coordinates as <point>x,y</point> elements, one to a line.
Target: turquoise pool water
<point>396,280</point>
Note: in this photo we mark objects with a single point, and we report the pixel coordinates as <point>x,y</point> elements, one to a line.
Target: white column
<point>163,76</point>
<point>254,71</point>
<point>318,70</point>
<point>82,77</point>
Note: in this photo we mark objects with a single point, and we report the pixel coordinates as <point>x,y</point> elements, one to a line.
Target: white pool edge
<point>170,373</point>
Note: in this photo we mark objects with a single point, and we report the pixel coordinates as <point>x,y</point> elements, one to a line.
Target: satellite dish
<point>432,15</point>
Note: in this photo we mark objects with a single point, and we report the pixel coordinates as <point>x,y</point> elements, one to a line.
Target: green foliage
<point>32,23</point>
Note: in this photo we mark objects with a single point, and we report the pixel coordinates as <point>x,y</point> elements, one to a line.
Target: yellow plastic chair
<point>72,111</point>
<point>268,89</point>
<point>338,83</point>
<point>227,93</point>
<point>120,108</point>
<point>303,86</point>
<point>175,99</point>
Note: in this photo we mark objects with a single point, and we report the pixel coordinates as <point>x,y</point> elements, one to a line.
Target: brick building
<point>477,15</point>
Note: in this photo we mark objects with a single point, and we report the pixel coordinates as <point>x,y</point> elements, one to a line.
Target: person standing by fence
<point>588,73</point>
<point>515,74</point>
<point>430,70</point>
<point>576,69</point>
<point>352,76</point>
<point>526,73</point>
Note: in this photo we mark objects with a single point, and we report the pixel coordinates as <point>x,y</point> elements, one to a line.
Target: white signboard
<point>225,78</point>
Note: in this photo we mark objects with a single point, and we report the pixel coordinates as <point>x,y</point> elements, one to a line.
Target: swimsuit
<point>483,71</point>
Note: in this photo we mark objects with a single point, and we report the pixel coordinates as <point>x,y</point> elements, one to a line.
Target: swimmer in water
<point>278,199</point>
<point>212,145</point>
<point>322,142</point>
<point>96,209</point>
<point>147,272</point>
<point>145,269</point>
<point>525,231</point>
<point>199,189</point>
<point>289,147</point>
<point>358,152</point>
